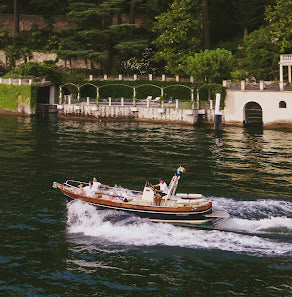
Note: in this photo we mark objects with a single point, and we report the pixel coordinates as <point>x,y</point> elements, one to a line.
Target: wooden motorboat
<point>176,208</point>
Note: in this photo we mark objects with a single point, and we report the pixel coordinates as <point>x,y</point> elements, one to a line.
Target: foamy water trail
<point>114,227</point>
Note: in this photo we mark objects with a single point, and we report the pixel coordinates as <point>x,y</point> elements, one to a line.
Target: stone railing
<point>286,58</point>
<point>24,81</point>
<point>149,77</point>
<point>257,86</point>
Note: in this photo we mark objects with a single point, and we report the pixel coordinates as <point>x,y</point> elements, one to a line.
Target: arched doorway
<point>253,115</point>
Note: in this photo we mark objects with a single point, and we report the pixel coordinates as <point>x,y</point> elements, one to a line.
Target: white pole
<point>217,104</point>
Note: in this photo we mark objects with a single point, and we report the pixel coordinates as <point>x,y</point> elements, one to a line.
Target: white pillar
<point>148,102</point>
<point>109,101</point>
<point>242,85</point>
<point>120,77</point>
<point>211,104</point>
<point>177,78</point>
<point>191,79</point>
<point>162,104</point>
<point>217,104</point>
<point>69,99</point>
<point>19,81</point>
<point>262,85</point>
<point>135,76</point>
<point>224,83</point>
<point>150,76</point>
<point>176,103</point>
<point>90,77</point>
<point>122,101</point>
<point>87,100</point>
<point>163,77</point>
<point>281,73</point>
<point>9,81</point>
<point>289,73</point>
<point>53,93</point>
<point>30,81</point>
<point>105,77</point>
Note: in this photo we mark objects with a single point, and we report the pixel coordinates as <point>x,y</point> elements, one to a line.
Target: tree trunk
<point>15,18</point>
<point>245,32</point>
<point>206,29</point>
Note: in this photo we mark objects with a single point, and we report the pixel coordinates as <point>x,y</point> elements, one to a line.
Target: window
<point>282,104</point>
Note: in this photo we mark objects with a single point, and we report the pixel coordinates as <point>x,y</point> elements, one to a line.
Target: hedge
<point>145,88</point>
<point>11,96</point>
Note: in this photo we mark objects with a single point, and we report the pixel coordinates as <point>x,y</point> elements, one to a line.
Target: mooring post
<point>218,113</point>
<point>60,95</point>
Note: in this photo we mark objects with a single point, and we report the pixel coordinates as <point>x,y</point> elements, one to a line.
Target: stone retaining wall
<point>141,113</point>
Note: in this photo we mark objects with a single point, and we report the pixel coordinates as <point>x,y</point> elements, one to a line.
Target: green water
<point>51,248</point>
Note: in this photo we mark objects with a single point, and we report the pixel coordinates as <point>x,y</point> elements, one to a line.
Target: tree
<point>248,14</point>
<point>206,29</point>
<point>261,54</point>
<point>279,18</point>
<point>179,33</point>
<point>15,18</point>
<point>210,66</point>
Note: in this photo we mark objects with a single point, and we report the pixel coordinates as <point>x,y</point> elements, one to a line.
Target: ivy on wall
<point>13,96</point>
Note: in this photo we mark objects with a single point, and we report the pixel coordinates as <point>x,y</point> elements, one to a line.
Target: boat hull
<point>192,217</point>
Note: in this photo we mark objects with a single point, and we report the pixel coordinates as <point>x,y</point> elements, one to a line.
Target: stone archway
<point>253,114</point>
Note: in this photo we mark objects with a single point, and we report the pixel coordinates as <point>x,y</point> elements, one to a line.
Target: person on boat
<point>88,190</point>
<point>96,185</point>
<point>163,190</point>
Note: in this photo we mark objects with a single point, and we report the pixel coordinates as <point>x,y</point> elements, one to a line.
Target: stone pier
<point>129,112</point>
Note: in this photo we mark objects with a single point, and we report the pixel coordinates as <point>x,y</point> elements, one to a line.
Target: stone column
<point>105,77</point>
<point>163,77</point>
<point>135,77</point>
<point>120,77</point>
<point>150,77</point>
<point>191,79</point>
<point>177,78</point>
<point>262,85</point>
<point>87,100</point>
<point>289,73</point>
<point>109,101</point>
<point>242,85</point>
<point>176,103</point>
<point>52,94</point>
<point>90,77</point>
<point>122,101</point>
<point>281,73</point>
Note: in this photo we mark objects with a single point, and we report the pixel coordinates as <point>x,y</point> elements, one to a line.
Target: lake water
<point>51,248</point>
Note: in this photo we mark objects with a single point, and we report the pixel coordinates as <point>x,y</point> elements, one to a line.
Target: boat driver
<point>96,185</point>
<point>163,190</point>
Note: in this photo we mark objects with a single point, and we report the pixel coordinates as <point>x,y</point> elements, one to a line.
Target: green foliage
<point>279,18</point>
<point>210,65</point>
<point>32,69</point>
<point>12,96</point>
<point>179,33</point>
<point>261,54</point>
<point>239,75</point>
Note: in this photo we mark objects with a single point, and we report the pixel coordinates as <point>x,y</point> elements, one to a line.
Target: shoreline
<point>284,127</point>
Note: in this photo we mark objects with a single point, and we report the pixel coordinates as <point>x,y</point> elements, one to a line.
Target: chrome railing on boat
<point>69,183</point>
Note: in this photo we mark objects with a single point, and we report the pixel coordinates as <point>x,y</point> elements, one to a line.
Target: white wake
<point>114,227</point>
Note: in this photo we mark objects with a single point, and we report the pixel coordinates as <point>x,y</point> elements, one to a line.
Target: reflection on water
<point>49,247</point>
